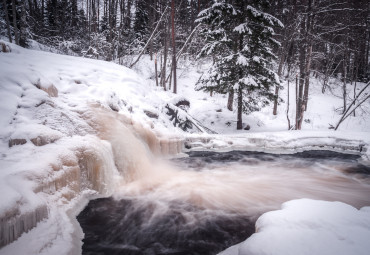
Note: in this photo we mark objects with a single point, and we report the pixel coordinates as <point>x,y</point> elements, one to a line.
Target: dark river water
<point>209,201</point>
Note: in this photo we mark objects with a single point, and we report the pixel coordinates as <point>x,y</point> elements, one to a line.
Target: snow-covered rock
<point>309,227</point>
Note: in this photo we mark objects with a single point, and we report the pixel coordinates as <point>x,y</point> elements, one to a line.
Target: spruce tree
<point>141,24</point>
<point>239,38</point>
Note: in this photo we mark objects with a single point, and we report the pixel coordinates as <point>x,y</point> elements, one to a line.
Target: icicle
<point>15,224</point>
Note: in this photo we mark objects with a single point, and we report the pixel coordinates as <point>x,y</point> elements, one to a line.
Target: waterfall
<point>134,147</point>
<point>120,151</point>
<point>120,159</point>
<point>249,189</point>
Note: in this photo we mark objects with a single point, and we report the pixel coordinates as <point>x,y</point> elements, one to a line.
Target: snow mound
<point>307,226</point>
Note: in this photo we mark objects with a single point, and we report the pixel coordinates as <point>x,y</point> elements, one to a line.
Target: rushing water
<point>209,201</point>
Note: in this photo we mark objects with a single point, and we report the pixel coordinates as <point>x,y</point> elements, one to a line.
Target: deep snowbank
<point>309,227</point>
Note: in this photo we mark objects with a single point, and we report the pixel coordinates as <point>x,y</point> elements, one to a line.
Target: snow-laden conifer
<point>239,38</point>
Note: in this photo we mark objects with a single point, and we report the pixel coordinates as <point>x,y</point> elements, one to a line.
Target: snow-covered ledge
<point>284,142</point>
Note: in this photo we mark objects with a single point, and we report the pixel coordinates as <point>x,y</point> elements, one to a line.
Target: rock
<point>51,89</point>
<point>151,114</point>
<point>181,102</point>
<point>5,47</point>
<point>17,141</point>
<point>42,140</point>
<point>114,107</point>
<point>247,127</point>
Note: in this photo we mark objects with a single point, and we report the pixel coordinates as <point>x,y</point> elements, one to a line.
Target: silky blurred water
<point>209,201</point>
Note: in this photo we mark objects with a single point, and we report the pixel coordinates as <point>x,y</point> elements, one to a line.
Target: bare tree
<point>353,106</point>
<point>16,34</point>
<point>173,47</point>
<point>150,38</point>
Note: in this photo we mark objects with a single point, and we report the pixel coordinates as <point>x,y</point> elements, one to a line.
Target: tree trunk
<point>88,14</point>
<point>302,73</point>
<point>23,24</point>
<point>330,60</point>
<point>173,47</point>
<point>150,38</point>
<point>355,87</point>
<point>165,43</point>
<point>307,78</point>
<point>230,100</point>
<point>151,21</point>
<point>282,60</point>
<point>74,13</point>
<point>344,84</point>
<point>43,11</point>
<point>299,102</point>
<point>128,15</point>
<point>239,123</point>
<point>7,21</point>
<point>156,69</point>
<point>16,36</point>
<point>274,112</point>
<point>94,16</point>
<point>287,107</point>
<point>305,52</point>
<point>179,53</point>
<point>288,96</point>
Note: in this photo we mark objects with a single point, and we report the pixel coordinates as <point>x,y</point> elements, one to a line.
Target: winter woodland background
<point>91,91</point>
<point>253,45</point>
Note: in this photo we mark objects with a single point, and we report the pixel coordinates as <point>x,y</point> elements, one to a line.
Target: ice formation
<point>66,131</point>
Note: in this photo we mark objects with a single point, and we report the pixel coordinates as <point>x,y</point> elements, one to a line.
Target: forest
<point>194,127</point>
<point>253,45</point>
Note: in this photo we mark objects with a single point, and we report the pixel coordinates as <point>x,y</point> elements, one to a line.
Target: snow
<point>309,227</point>
<point>45,102</point>
<point>35,176</point>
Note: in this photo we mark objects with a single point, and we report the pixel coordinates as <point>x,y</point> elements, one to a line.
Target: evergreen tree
<point>141,24</point>
<point>239,38</point>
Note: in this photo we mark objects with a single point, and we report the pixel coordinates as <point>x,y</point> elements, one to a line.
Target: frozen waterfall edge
<point>89,164</point>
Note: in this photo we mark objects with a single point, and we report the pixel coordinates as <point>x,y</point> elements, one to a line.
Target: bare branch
<point>150,38</point>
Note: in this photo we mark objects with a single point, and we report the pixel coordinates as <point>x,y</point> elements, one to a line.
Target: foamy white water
<point>248,185</point>
<point>207,200</point>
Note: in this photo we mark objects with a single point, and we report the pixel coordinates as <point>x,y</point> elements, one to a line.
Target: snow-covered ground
<point>55,155</point>
<point>323,110</point>
<point>309,227</point>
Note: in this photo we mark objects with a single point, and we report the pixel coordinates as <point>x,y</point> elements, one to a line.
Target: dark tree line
<point>325,38</point>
